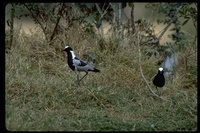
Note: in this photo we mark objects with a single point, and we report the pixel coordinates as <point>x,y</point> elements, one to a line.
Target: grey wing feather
<point>76,62</point>
<point>81,65</point>
<point>85,68</point>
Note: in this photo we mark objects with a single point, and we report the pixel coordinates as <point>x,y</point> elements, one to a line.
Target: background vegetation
<point>40,91</point>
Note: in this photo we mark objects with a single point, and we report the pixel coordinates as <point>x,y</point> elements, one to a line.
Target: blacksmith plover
<point>78,65</point>
<point>159,79</point>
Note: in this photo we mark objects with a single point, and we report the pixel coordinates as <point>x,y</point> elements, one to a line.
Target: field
<point>42,95</point>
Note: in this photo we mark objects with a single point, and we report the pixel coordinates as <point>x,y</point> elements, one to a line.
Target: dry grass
<point>41,94</point>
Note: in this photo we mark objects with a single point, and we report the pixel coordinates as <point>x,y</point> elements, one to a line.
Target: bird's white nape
<point>160,69</point>
<point>66,47</point>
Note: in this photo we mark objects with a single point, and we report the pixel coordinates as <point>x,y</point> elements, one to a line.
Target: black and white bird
<point>78,65</point>
<point>159,79</point>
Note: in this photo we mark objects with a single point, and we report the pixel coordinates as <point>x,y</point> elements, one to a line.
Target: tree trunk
<point>102,14</point>
<point>12,24</point>
<point>132,20</point>
<point>119,17</point>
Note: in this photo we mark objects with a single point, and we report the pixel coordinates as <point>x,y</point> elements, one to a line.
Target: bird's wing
<point>78,62</point>
<point>85,68</point>
<point>81,65</point>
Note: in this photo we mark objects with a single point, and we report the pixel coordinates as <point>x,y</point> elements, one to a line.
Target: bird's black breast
<point>159,80</point>
<point>70,64</point>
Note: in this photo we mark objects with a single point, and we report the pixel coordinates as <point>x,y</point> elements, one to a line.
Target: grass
<point>41,94</point>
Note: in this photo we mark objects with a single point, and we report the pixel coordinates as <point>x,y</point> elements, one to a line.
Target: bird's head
<point>67,48</point>
<point>160,70</point>
<point>69,51</point>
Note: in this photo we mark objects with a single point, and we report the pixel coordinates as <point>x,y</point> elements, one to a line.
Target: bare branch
<point>98,8</point>
<point>100,11</point>
<point>102,14</point>
<point>106,10</point>
<point>58,20</point>
<point>132,20</point>
<point>35,17</point>
<point>12,23</point>
<point>141,73</point>
<point>168,25</point>
<point>119,16</point>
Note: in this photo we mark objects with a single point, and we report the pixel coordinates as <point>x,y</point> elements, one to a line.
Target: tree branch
<point>12,24</point>
<point>141,73</point>
<point>119,16</point>
<point>157,39</point>
<point>132,20</point>
<point>98,8</point>
<point>102,14</point>
<point>168,25</point>
<point>57,22</point>
<point>35,17</point>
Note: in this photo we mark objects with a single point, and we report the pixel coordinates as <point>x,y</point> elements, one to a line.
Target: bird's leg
<point>160,92</point>
<point>83,76</point>
<point>78,82</point>
<point>157,91</point>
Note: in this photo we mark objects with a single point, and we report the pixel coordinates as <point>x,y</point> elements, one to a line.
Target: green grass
<point>41,94</point>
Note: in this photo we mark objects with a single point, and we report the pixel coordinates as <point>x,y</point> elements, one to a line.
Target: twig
<point>141,73</point>
<point>100,11</point>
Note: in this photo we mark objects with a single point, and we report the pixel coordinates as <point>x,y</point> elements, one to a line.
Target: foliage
<point>46,15</point>
<point>188,13</point>
<point>93,14</point>
<point>176,10</point>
